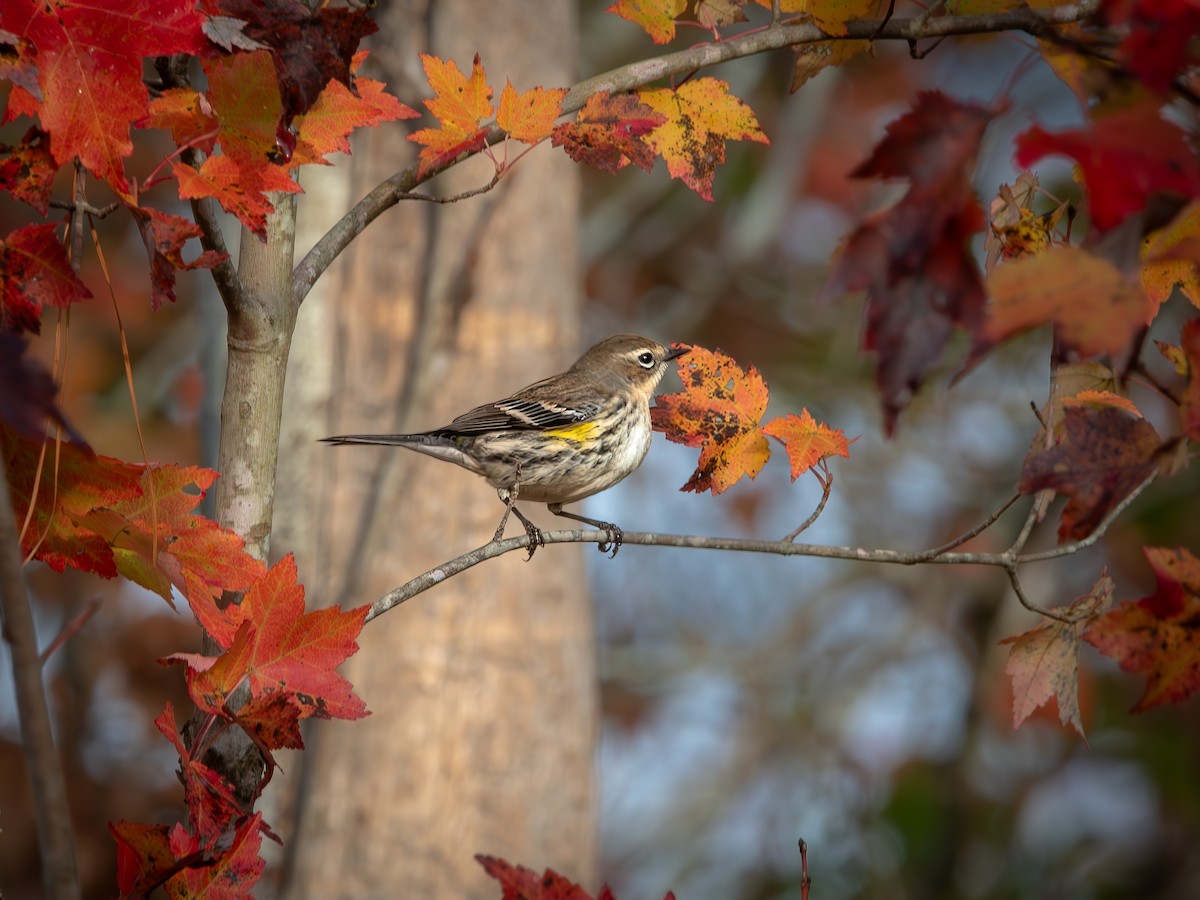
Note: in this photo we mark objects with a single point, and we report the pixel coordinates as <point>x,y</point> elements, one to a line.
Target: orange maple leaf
<point>1170,258</point>
<point>1044,661</point>
<point>460,104</point>
<point>1158,635</point>
<point>718,410</point>
<point>188,115</point>
<point>830,16</point>
<point>337,112</point>
<point>701,116</point>
<point>529,117</point>
<point>807,441</point>
<point>245,99</point>
<point>655,17</point>
<point>241,191</point>
<point>1095,308</point>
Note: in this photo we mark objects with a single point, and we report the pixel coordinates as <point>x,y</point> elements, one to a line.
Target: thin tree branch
<point>1083,543</point>
<point>173,71</point>
<point>72,628</point>
<point>1009,560</point>
<point>977,530</point>
<point>206,213</point>
<point>826,482</point>
<point>626,78</point>
<point>51,811</point>
<point>1029,604</point>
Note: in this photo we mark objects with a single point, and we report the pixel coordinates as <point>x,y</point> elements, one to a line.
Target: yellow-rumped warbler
<point>559,440</point>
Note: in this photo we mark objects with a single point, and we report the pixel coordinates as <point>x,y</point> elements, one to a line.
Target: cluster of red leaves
<point>102,515</point>
<point>720,410</point>
<point>78,71</point>
<point>520,883</point>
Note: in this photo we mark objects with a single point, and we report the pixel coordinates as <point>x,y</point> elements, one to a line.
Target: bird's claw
<point>535,538</point>
<point>612,538</point>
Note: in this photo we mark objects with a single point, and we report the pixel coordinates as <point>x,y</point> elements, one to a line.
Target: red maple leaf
<point>1127,156</point>
<point>718,410</point>
<point>230,873</point>
<point>460,105</point>
<point>1102,455</point>
<point>1159,43</point>
<point>280,648</point>
<point>608,133</point>
<point>1044,661</point>
<point>212,806</point>
<point>27,169</point>
<point>35,272</point>
<point>324,128</point>
<point>89,58</point>
<point>913,259</point>
<point>807,441</point>
<point>103,515</point>
<point>1158,635</point>
<point>164,236</point>
<point>144,855</point>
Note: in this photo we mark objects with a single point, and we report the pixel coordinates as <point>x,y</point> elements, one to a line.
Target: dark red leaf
<point>27,169</point>
<point>913,259</point>
<point>27,391</point>
<point>309,48</point>
<point>1103,454</point>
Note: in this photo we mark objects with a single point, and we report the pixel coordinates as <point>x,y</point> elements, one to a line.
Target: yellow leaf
<point>655,17</point>
<point>701,116</point>
<point>529,117</point>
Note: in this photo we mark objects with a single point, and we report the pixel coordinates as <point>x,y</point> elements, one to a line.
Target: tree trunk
<point>483,689</point>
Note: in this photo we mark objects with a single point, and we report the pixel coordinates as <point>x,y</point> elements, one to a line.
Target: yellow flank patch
<point>580,431</point>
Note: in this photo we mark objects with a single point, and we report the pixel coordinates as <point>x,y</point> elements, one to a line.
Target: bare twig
<point>977,530</point>
<point>1027,603</point>
<point>1083,543</point>
<point>51,811</point>
<point>84,206</point>
<point>641,73</point>
<point>805,880</point>
<point>826,482</point>
<point>455,198</point>
<point>72,628</point>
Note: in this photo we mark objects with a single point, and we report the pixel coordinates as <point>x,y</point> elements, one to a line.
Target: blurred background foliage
<point>748,701</point>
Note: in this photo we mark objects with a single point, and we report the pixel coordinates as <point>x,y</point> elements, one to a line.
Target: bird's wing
<point>522,411</point>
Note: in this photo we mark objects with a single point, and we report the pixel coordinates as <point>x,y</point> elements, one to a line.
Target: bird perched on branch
<point>559,440</point>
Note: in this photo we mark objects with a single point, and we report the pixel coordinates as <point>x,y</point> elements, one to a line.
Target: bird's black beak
<point>676,352</point>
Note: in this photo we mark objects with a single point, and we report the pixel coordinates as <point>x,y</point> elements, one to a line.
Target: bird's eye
<point>646,359</point>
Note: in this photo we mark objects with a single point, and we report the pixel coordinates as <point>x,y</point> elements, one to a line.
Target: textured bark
<point>482,692</point>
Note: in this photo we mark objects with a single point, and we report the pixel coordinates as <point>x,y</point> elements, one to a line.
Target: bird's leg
<point>510,506</point>
<point>612,534</point>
